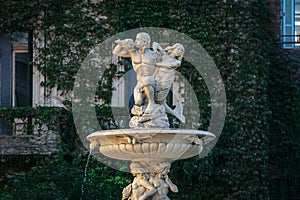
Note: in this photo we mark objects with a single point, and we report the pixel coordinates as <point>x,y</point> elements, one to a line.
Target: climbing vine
<point>233,32</point>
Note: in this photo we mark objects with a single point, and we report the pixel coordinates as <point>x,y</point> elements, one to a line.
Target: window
<point>15,77</point>
<point>15,71</point>
<point>22,78</point>
<point>291,23</point>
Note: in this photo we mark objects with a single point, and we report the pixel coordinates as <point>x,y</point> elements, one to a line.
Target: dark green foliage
<point>41,115</point>
<point>55,178</point>
<point>60,176</point>
<point>284,95</point>
<point>56,119</point>
<point>255,157</point>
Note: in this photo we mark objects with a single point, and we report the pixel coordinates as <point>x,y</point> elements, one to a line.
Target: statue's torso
<point>144,63</point>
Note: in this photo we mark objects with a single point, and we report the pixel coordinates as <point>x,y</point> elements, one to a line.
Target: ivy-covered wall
<point>234,33</point>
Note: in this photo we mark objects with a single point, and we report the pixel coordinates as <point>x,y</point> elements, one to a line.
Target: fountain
<point>149,143</point>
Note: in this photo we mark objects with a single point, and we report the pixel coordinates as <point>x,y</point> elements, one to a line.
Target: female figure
<point>140,188</point>
<point>164,77</point>
<point>162,182</point>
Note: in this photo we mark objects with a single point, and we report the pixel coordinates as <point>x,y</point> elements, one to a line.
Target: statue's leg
<point>138,95</point>
<point>149,92</point>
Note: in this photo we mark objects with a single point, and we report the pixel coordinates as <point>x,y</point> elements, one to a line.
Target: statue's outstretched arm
<point>119,50</point>
<point>173,187</point>
<point>173,64</point>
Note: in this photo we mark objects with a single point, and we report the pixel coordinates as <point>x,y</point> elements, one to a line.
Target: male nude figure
<point>143,62</point>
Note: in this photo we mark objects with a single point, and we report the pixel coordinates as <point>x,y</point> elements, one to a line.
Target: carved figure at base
<point>162,182</point>
<point>140,188</point>
<point>151,182</point>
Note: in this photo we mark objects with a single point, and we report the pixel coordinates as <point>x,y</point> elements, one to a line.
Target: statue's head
<point>137,168</point>
<point>177,51</point>
<point>163,168</point>
<point>143,40</point>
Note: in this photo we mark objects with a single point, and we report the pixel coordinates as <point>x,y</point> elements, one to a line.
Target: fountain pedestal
<point>151,152</point>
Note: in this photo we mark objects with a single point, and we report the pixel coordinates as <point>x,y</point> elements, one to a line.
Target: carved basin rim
<point>103,136</point>
<point>150,144</point>
<point>129,131</point>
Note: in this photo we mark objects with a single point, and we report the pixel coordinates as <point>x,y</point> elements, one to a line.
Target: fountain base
<point>151,152</point>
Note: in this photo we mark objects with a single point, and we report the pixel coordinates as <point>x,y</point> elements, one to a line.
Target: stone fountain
<point>149,143</point>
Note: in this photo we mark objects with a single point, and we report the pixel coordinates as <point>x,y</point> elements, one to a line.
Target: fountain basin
<point>151,144</point>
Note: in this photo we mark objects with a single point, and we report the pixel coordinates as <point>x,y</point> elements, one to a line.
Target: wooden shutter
<point>6,72</point>
<point>5,81</point>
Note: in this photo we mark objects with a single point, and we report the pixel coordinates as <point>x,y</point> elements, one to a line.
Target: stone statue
<point>152,185</point>
<point>155,74</point>
<point>140,188</point>
<point>170,59</point>
<point>162,182</point>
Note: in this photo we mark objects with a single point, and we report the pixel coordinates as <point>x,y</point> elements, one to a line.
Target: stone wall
<point>42,143</point>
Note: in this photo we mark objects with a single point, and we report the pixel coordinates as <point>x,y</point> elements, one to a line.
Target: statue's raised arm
<point>124,48</point>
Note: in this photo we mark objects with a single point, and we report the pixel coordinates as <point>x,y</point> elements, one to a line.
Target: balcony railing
<point>290,41</point>
<point>27,131</point>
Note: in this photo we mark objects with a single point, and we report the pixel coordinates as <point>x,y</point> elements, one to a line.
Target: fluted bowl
<point>150,144</point>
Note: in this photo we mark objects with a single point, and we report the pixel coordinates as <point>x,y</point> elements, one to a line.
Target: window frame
<point>18,48</point>
<point>288,34</point>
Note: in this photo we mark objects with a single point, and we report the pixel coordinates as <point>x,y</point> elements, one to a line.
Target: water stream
<point>85,174</point>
